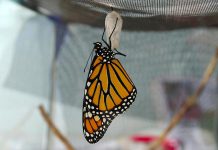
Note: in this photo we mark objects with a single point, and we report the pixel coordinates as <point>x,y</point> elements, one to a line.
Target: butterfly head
<point>97,45</point>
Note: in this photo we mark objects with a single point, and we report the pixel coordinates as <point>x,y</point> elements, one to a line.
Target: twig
<point>189,102</point>
<point>54,129</point>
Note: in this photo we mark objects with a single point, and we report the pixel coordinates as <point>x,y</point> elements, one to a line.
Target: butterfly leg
<point>119,53</point>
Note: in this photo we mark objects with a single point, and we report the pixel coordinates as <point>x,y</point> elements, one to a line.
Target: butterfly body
<point>106,53</point>
<point>109,91</point>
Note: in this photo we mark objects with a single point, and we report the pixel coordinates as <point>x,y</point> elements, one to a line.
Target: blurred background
<point>44,46</point>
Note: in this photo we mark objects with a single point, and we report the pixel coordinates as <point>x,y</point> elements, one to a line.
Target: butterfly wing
<point>109,91</point>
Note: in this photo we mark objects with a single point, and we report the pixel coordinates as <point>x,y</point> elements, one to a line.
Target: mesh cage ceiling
<point>137,14</point>
<point>147,8</point>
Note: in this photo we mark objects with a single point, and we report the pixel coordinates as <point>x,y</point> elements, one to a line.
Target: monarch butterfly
<point>109,91</point>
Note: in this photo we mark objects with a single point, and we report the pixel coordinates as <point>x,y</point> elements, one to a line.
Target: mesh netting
<point>137,14</point>
<point>147,8</point>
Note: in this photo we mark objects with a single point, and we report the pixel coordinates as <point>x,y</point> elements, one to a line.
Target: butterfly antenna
<point>102,37</point>
<point>119,53</point>
<point>88,60</point>
<point>112,33</point>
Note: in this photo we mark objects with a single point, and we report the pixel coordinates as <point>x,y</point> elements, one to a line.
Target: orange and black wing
<point>109,91</point>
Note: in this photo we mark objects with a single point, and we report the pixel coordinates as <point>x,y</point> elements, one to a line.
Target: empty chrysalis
<point>110,21</point>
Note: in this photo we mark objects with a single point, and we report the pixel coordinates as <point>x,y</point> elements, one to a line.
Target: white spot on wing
<point>88,84</point>
<point>87,134</point>
<point>90,115</point>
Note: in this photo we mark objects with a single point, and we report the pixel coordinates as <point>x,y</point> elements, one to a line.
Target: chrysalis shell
<point>110,22</point>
